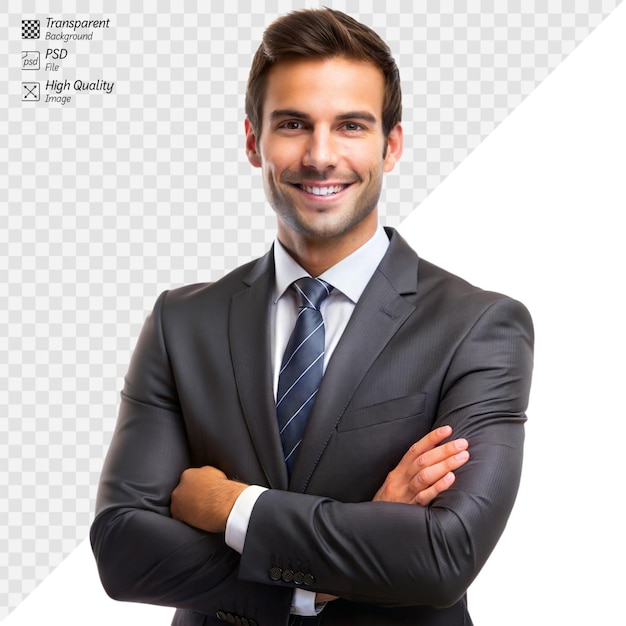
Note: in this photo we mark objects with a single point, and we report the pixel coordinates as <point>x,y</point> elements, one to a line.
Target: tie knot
<point>311,292</point>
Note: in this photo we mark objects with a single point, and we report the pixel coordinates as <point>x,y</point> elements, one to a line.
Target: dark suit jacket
<point>423,348</point>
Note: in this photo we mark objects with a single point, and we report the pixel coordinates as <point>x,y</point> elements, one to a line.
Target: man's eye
<point>292,125</point>
<point>352,126</point>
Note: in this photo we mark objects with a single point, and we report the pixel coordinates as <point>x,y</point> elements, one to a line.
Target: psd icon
<point>31,60</point>
<point>30,29</point>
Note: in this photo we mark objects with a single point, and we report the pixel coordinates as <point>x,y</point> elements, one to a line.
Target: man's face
<point>321,148</point>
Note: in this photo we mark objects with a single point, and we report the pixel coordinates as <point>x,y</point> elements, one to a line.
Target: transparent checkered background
<point>110,199</point>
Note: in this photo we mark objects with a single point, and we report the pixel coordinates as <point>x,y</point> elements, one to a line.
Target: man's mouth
<point>326,190</point>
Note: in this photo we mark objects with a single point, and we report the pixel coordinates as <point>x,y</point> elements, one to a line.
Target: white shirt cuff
<point>239,518</point>
<point>303,601</point>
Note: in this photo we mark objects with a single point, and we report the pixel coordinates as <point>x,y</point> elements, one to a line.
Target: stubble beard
<point>323,225</point>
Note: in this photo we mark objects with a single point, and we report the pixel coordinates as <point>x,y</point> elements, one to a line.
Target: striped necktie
<point>302,367</point>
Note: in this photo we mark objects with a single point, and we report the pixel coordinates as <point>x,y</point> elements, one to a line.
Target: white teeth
<point>323,191</point>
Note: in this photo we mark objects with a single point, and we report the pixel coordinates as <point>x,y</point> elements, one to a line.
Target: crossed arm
<point>205,496</point>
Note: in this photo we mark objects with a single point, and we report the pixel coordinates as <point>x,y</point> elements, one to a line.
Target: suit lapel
<point>249,336</point>
<point>380,312</point>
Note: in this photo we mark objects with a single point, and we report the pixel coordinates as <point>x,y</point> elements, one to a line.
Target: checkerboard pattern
<point>109,199</point>
<point>30,29</point>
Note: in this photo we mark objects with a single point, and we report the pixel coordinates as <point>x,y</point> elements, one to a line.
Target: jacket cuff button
<point>276,573</point>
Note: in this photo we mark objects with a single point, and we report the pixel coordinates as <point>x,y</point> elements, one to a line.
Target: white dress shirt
<point>349,278</point>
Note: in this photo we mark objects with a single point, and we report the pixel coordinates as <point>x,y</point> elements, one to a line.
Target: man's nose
<point>321,152</point>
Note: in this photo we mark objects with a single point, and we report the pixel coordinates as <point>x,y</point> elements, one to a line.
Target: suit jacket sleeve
<point>404,555</point>
<point>143,554</point>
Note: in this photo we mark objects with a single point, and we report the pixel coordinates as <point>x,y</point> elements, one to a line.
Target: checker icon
<point>30,92</point>
<point>30,29</point>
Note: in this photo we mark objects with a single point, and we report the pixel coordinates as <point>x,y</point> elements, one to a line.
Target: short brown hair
<point>322,33</point>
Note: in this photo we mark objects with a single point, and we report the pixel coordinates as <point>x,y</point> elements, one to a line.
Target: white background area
<point>536,212</point>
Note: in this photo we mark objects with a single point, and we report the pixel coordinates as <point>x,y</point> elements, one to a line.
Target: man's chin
<point>321,229</point>
<point>325,227</point>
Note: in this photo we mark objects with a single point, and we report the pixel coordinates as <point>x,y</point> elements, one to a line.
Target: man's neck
<point>316,255</point>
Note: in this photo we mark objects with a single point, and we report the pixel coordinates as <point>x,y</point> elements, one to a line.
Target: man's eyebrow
<point>283,113</point>
<point>365,116</point>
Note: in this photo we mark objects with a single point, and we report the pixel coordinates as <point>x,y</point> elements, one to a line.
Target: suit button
<point>287,575</point>
<point>221,615</point>
<point>309,579</point>
<point>298,578</point>
<point>276,573</point>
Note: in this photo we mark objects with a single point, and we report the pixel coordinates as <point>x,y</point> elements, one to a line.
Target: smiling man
<point>284,450</point>
<point>322,150</point>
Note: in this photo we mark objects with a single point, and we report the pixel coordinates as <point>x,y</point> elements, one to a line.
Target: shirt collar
<point>350,275</point>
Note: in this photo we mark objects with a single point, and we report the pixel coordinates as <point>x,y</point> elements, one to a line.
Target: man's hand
<point>425,470</point>
<point>204,498</point>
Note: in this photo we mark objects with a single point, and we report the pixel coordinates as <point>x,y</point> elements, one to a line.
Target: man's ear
<point>251,145</point>
<point>394,147</point>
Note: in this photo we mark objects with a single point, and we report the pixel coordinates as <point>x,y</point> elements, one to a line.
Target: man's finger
<point>431,474</point>
<point>426,443</point>
<point>424,498</point>
<point>439,453</point>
